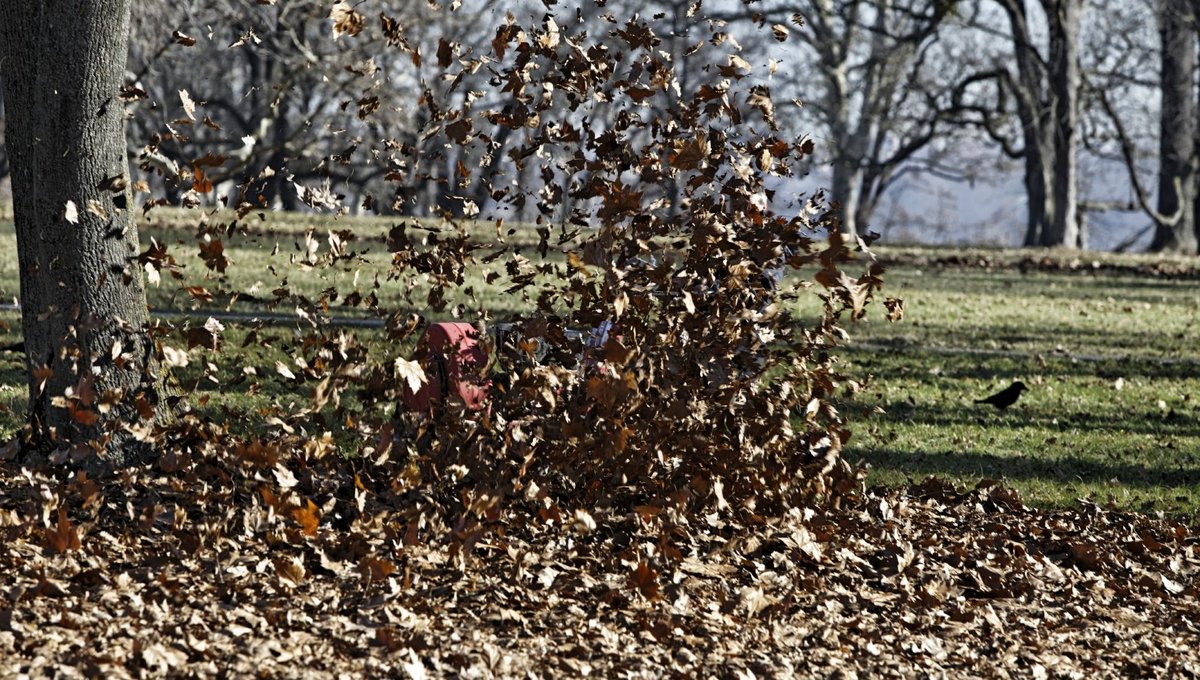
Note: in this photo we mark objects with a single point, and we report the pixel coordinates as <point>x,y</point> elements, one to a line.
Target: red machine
<point>453,361</point>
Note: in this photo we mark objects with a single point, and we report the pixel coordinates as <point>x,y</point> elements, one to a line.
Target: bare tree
<point>1175,218</point>
<point>273,89</point>
<point>1043,92</point>
<point>1132,67</point>
<point>877,90</point>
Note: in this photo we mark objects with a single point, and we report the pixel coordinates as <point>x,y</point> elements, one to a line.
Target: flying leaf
<point>411,373</point>
<point>375,569</point>
<point>42,374</point>
<point>284,477</point>
<point>95,209</point>
<point>645,580</point>
<point>550,38</point>
<point>189,106</point>
<point>63,536</point>
<point>307,516</point>
<point>174,357</point>
<point>83,416</point>
<point>282,369</point>
<point>346,21</point>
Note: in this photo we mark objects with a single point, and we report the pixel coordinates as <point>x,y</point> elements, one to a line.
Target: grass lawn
<point>1112,357</point>
<point>1113,363</point>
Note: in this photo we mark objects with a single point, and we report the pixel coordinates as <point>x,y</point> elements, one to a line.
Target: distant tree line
<point>887,88</point>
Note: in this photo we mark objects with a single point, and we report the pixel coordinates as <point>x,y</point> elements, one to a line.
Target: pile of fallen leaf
<point>211,566</point>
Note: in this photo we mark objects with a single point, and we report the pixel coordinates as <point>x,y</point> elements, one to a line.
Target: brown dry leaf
<point>308,517</point>
<point>375,569</point>
<point>644,579</point>
<point>63,536</point>
<point>346,20</point>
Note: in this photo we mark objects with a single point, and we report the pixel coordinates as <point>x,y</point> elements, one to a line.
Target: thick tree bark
<point>83,303</point>
<point>1177,130</point>
<point>844,191</point>
<point>1040,210</point>
<point>845,184</point>
<point>1065,85</point>
<point>1038,152</point>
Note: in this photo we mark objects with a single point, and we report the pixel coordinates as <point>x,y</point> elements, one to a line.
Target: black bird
<point>1005,397</point>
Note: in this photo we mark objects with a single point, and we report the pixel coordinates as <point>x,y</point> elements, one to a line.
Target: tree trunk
<point>83,303</point>
<point>1177,130</point>
<point>1065,82</point>
<point>1039,211</point>
<point>1047,98</point>
<point>1038,154</point>
<point>844,191</point>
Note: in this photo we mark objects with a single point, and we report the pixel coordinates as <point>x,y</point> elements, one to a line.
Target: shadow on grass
<point>953,417</point>
<point>915,362</point>
<point>1060,469</point>
<point>1031,341</point>
<point>1067,286</point>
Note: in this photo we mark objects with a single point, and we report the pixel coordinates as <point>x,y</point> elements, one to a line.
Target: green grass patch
<point>1113,363</point>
